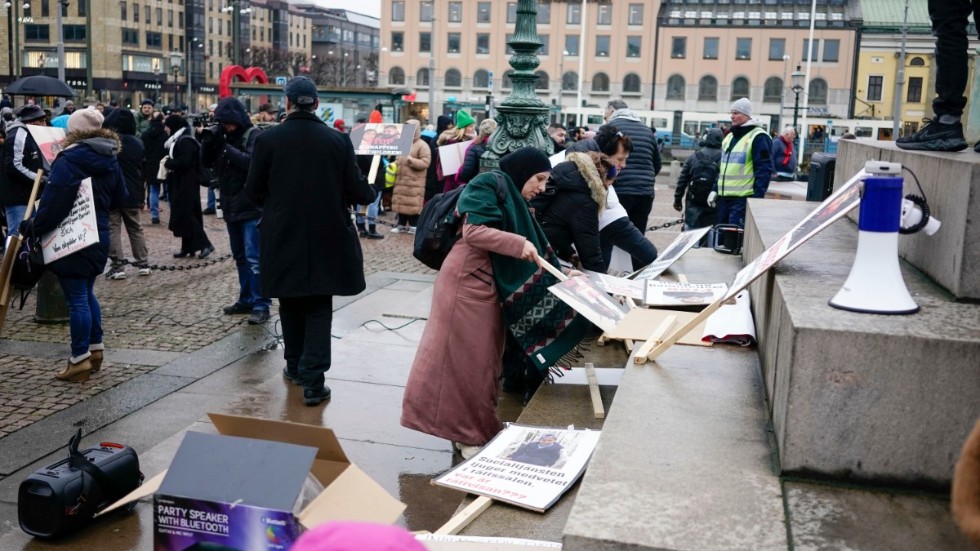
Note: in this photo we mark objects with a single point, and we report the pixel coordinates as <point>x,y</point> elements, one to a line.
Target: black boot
<point>360,230</point>
<point>372,232</point>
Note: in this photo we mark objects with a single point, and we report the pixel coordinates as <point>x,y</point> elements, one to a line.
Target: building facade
<point>466,40</point>
<point>346,45</point>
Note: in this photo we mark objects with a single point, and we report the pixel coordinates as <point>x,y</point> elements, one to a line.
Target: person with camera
<point>227,150</point>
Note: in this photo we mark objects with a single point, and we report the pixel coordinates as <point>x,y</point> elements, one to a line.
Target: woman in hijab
<point>184,181</point>
<point>489,284</point>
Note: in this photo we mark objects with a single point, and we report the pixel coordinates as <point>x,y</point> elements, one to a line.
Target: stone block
<point>860,397</point>
<point>951,182</point>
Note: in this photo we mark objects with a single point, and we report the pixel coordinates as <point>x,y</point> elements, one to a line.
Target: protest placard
<point>530,467</point>
<point>451,157</point>
<point>586,298</point>
<point>618,286</point>
<point>382,138</point>
<point>557,158</point>
<point>681,244</point>
<point>77,231</point>
<point>49,140</point>
<point>671,293</point>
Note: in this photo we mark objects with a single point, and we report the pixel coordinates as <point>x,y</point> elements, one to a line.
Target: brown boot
<point>75,373</point>
<point>96,359</point>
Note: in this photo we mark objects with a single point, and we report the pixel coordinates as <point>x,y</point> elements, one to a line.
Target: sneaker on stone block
<point>935,136</point>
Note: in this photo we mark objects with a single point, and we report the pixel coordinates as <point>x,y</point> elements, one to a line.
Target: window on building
<point>37,33</point>
<point>545,40</point>
<point>397,41</point>
<point>512,12</point>
<point>131,37</point>
<point>122,10</point>
<point>569,81</point>
<point>710,47</point>
<point>452,43</point>
<point>917,62</point>
<point>602,45</point>
<point>574,16</point>
<point>807,52</point>
<point>740,88</point>
<point>777,49</point>
<point>396,76</point>
<point>571,44</point>
<point>818,92</point>
<point>425,12</point>
<point>631,84</point>
<point>73,33</point>
<point>743,48</point>
<point>147,14</point>
<point>875,84</point>
<point>425,42</point>
<point>914,94</point>
<point>170,18</point>
<point>455,12</point>
<point>506,82</point>
<point>160,17</point>
<point>453,79</point>
<point>136,12</point>
<point>544,14</point>
<point>507,49</point>
<point>604,15</point>
<point>678,47</point>
<point>708,88</point>
<point>398,11</point>
<point>831,50</point>
<point>634,45</point>
<point>482,43</point>
<point>82,7</point>
<point>154,40</point>
<point>483,12</point>
<point>600,82</point>
<point>422,77</point>
<point>481,79</point>
<point>772,91</point>
<point>221,49</point>
<point>542,82</point>
<point>45,9</point>
<point>676,87</point>
<point>636,14</point>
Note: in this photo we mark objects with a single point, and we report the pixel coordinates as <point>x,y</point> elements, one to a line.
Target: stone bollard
<point>51,305</point>
<point>972,127</point>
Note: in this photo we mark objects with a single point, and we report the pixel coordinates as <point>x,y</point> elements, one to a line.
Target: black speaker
<point>821,182</point>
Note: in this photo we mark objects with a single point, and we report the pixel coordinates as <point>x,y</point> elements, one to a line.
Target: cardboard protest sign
<point>451,157</point>
<point>382,138</point>
<point>670,293</point>
<point>617,286</point>
<point>557,158</point>
<point>49,139</point>
<point>77,231</point>
<point>681,244</point>
<point>833,208</point>
<point>586,298</point>
<point>530,467</point>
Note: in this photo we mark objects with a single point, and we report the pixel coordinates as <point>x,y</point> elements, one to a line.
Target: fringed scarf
<point>545,327</point>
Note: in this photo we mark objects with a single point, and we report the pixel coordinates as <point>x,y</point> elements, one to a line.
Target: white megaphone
<point>875,284</point>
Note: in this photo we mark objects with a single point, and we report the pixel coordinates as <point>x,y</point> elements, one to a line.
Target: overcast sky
<point>367,7</point>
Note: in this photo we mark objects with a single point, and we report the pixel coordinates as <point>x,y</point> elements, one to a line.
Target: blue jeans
<point>244,240</point>
<point>372,211</point>
<point>623,234</point>
<point>731,210</point>
<point>15,215</point>
<point>211,199</point>
<point>84,313</point>
<point>154,188</point>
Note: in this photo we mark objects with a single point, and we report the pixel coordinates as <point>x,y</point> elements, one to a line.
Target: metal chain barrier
<point>370,220</point>
<point>170,268</point>
<point>666,225</point>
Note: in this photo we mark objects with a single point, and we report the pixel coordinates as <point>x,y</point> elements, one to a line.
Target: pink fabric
<point>357,536</point>
<point>453,387</point>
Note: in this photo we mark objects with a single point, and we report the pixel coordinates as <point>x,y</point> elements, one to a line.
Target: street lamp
<point>345,69</point>
<point>782,90</point>
<point>10,38</point>
<point>176,62</point>
<point>236,10</point>
<point>797,78</point>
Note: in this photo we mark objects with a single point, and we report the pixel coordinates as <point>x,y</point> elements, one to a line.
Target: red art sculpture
<point>232,73</point>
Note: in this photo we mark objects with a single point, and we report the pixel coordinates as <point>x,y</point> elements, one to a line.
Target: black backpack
<point>438,227</point>
<point>704,175</point>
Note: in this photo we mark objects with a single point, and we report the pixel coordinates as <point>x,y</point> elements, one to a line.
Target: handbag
<point>162,170</point>
<point>28,264</point>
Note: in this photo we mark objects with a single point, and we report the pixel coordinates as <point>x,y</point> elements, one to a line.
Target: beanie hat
<point>487,126</point>
<point>174,123</point>
<point>442,123</point>
<point>30,112</point>
<point>338,124</point>
<point>523,163</point>
<point>357,536</point>
<point>743,105</point>
<point>85,120</point>
<point>463,119</point>
<point>375,116</point>
<point>147,101</point>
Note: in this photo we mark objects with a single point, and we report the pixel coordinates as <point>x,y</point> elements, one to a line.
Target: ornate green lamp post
<point>522,118</point>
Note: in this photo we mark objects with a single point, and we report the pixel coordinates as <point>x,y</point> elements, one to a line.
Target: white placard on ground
<point>670,293</point>
<point>618,286</point>
<point>681,244</point>
<point>592,302</point>
<point>79,230</point>
<point>732,323</point>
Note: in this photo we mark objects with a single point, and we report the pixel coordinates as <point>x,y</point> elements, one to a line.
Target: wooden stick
<point>676,335</point>
<point>640,357</point>
<point>13,246</point>
<point>463,518</point>
<point>373,173</point>
<point>681,278</point>
<point>549,268</point>
<point>597,408</point>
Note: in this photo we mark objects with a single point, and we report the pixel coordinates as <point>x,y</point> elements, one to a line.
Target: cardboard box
<point>237,489</point>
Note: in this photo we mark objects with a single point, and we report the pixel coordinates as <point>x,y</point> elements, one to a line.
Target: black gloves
<point>677,205</point>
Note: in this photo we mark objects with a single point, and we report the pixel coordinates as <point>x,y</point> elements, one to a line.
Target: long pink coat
<point>453,387</point>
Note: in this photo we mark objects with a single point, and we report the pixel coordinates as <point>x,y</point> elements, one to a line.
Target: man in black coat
<point>21,160</point>
<point>228,153</point>
<point>698,177</point>
<point>303,175</point>
<point>130,158</point>
<point>634,185</point>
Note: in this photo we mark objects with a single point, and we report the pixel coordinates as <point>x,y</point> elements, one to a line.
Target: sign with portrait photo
<point>530,467</point>
<point>588,299</point>
<point>681,244</point>
<point>383,138</point>
<point>670,293</point>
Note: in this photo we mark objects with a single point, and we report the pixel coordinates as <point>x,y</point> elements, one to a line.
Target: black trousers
<point>949,23</point>
<point>306,323</point>
<point>638,208</point>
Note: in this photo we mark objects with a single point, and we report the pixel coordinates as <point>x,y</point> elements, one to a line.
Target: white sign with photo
<point>77,231</point>
<point>586,298</point>
<point>530,467</point>
<point>670,293</point>
<point>617,286</point>
<point>681,244</point>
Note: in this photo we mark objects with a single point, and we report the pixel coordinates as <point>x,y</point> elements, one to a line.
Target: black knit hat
<point>175,123</point>
<point>523,163</point>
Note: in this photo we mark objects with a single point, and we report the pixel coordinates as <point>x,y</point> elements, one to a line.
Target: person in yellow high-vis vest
<point>746,165</point>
